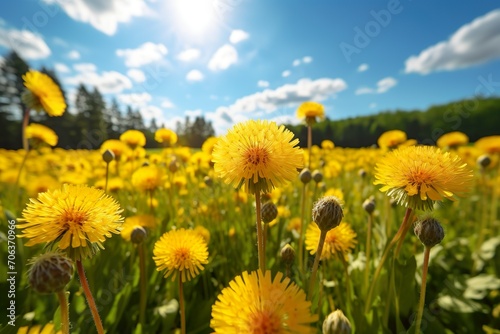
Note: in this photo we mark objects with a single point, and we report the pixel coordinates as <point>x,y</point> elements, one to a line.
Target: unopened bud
<point>305,176</point>
<point>336,323</point>
<point>108,156</point>
<point>327,213</point>
<point>287,255</point>
<point>362,173</point>
<point>208,181</point>
<point>429,231</point>
<point>138,235</point>
<point>369,205</point>
<point>173,166</point>
<point>269,212</point>
<point>484,161</point>
<point>317,176</point>
<point>50,273</point>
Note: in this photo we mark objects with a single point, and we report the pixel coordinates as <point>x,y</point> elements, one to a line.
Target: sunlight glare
<point>194,16</point>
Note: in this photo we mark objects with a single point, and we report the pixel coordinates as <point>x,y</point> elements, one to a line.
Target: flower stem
<point>319,251</point>
<point>107,177</point>
<point>142,278</point>
<point>181,307</point>
<point>61,295</point>
<point>368,248</point>
<point>421,303</point>
<point>260,234</point>
<point>89,297</point>
<point>302,224</point>
<point>309,145</point>
<point>26,120</point>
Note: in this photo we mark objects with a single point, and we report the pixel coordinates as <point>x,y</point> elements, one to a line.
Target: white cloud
<point>136,75</point>
<point>85,67</point>
<point>286,73</point>
<point>74,55</point>
<point>103,15</point>
<point>238,36</point>
<point>107,82</point>
<point>189,55</point>
<point>363,67</point>
<point>135,100</point>
<point>474,43</point>
<point>296,62</point>
<point>27,44</point>
<point>383,86</point>
<point>224,57</point>
<point>307,59</point>
<point>193,113</point>
<point>62,68</point>
<point>263,83</point>
<point>149,112</point>
<point>167,104</point>
<point>194,75</point>
<point>144,54</point>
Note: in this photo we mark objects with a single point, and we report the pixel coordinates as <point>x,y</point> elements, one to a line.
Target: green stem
<point>26,120</point>
<point>89,297</point>
<point>309,145</point>
<point>260,234</point>
<point>319,251</point>
<point>368,248</point>
<point>347,282</point>
<point>142,278</point>
<point>107,177</point>
<point>182,307</point>
<point>61,295</point>
<point>302,225</point>
<point>421,302</point>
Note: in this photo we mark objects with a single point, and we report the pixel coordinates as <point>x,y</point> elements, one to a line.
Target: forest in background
<point>93,121</point>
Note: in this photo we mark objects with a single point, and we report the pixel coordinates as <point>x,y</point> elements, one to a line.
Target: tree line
<point>90,122</point>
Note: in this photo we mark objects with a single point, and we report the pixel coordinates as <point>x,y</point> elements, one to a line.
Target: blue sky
<point>233,60</point>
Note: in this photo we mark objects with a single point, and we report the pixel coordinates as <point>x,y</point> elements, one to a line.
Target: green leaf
<point>460,305</point>
<point>479,286</point>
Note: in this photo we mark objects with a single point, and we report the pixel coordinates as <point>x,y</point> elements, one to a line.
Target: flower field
<point>251,234</point>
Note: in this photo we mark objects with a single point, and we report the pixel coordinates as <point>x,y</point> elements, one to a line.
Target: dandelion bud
<point>336,323</point>
<point>287,255</point>
<point>108,156</point>
<point>50,273</point>
<point>305,176</point>
<point>138,235</point>
<point>327,213</point>
<point>362,173</point>
<point>317,176</point>
<point>208,181</point>
<point>269,212</point>
<point>484,161</point>
<point>369,205</point>
<point>173,166</point>
<point>429,231</point>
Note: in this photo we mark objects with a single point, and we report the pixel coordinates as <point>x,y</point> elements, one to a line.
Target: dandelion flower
<point>133,138</point>
<point>255,303</point>
<point>133,222</point>
<point>490,144</point>
<point>39,133</point>
<point>259,154</point>
<point>147,178</point>
<point>74,219</point>
<point>391,139</point>
<point>327,144</point>
<point>310,112</point>
<point>339,240</point>
<point>118,148</point>
<point>452,140</point>
<point>166,137</point>
<point>43,94</point>
<point>38,329</point>
<point>417,176</point>
<point>182,252</point>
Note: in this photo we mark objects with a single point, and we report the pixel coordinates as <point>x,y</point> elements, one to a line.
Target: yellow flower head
<point>417,176</point>
<point>74,219</point>
<point>327,144</point>
<point>144,221</point>
<point>490,144</point>
<point>259,154</point>
<point>255,303</point>
<point>208,145</point>
<point>39,133</point>
<point>391,139</point>
<point>133,138</point>
<point>38,329</point>
<point>310,112</point>
<point>119,148</point>
<point>182,252</point>
<point>339,240</point>
<point>147,178</point>
<point>41,184</point>
<point>166,137</point>
<point>452,140</point>
<point>43,94</point>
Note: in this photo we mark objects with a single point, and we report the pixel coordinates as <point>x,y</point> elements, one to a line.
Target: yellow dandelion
<point>43,94</point>
<point>133,138</point>
<point>417,176</point>
<point>259,154</point>
<point>131,223</point>
<point>182,252</point>
<point>310,112</point>
<point>490,144</point>
<point>166,137</point>
<point>327,144</point>
<point>452,140</point>
<point>39,134</point>
<point>147,178</point>
<point>255,303</point>
<point>39,329</point>
<point>74,219</point>
<point>203,232</point>
<point>41,184</point>
<point>339,240</point>
<point>118,147</point>
<point>391,139</point>
<point>209,144</point>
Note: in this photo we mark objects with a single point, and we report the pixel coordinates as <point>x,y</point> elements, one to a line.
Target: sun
<point>194,17</point>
